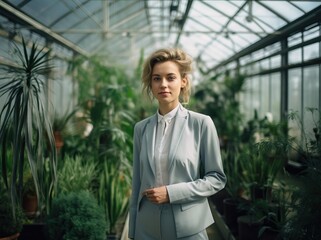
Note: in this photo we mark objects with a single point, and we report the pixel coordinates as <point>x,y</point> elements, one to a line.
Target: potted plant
<point>249,224</point>
<point>234,187</point>
<point>25,126</point>
<point>76,215</point>
<point>76,174</point>
<point>10,225</point>
<point>114,194</point>
<point>277,212</point>
<point>264,162</point>
<point>29,196</point>
<point>59,127</point>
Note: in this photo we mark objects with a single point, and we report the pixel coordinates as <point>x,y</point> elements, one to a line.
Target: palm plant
<point>25,127</point>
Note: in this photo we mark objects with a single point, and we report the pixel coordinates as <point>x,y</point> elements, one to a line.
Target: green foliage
<point>233,170</point>
<point>219,99</point>
<point>308,146</point>
<point>60,121</point>
<point>109,103</point>
<point>257,129</point>
<point>76,216</point>
<point>9,224</point>
<point>76,174</point>
<point>25,126</point>
<point>260,167</point>
<point>114,193</point>
<point>263,150</point>
<point>305,223</point>
<point>278,211</point>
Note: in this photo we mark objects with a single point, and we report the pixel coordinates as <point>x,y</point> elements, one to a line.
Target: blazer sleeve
<point>135,182</point>
<point>213,178</point>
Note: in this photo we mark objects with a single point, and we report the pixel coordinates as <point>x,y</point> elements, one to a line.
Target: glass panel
<point>284,9</point>
<point>276,61</point>
<point>5,49</point>
<point>295,56</point>
<point>311,33</point>
<point>310,97</point>
<point>311,87</point>
<point>61,90</point>
<point>247,105</point>
<point>210,13</point>
<point>294,90</point>
<point>229,8</point>
<point>276,96</point>
<point>269,50</point>
<point>265,95</point>
<point>295,39</point>
<point>256,98</point>
<point>311,51</point>
<point>207,16</point>
<point>255,67</point>
<point>295,99</point>
<point>267,16</point>
<point>257,55</point>
<point>265,64</point>
<point>45,13</point>
<point>307,5</point>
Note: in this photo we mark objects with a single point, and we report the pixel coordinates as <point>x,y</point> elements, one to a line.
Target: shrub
<point>76,216</point>
<point>9,224</point>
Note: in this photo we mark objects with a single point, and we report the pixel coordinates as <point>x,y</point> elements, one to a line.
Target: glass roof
<point>210,30</point>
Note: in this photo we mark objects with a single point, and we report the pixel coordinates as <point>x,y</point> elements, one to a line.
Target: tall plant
<point>219,99</point>
<point>109,108</point>
<point>25,127</point>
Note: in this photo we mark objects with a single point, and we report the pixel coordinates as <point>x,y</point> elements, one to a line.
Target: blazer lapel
<point>150,141</point>
<point>180,121</point>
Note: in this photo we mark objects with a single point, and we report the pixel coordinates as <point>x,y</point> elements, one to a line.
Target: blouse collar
<point>168,116</point>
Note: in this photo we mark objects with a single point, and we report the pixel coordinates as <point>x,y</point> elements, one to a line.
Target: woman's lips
<point>164,93</point>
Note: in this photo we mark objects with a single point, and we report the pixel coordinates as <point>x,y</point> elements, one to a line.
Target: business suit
<point>195,170</point>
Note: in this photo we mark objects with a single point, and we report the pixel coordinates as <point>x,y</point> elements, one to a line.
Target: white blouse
<point>164,131</point>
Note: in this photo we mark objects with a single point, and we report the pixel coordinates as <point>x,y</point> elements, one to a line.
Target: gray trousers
<point>156,222</point>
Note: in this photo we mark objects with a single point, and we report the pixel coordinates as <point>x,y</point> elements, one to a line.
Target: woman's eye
<point>171,78</point>
<point>156,79</point>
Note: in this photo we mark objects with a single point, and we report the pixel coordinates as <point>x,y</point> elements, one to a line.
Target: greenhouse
<point>72,108</point>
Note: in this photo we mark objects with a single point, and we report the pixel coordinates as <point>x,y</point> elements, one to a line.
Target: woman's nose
<point>163,82</point>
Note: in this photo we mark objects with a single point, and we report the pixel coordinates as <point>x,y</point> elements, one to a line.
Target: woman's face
<point>166,83</point>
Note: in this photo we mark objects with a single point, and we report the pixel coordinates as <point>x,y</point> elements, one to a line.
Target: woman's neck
<point>166,108</point>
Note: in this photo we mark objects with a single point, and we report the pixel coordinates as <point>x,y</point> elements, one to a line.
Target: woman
<point>177,161</point>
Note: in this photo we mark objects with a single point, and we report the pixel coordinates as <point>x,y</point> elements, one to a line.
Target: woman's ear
<point>184,82</point>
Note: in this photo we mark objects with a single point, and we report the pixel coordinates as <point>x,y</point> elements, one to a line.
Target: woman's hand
<point>157,195</point>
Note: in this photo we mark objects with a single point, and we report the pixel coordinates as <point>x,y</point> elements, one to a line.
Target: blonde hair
<point>176,55</point>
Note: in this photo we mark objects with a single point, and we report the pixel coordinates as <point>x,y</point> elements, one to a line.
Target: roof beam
<point>14,14</point>
<point>297,25</point>
<point>188,8</point>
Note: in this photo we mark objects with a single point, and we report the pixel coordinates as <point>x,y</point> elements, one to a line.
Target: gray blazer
<point>195,169</point>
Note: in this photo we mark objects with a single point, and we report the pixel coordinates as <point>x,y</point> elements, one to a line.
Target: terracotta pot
<point>30,204</point>
<point>58,140</point>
